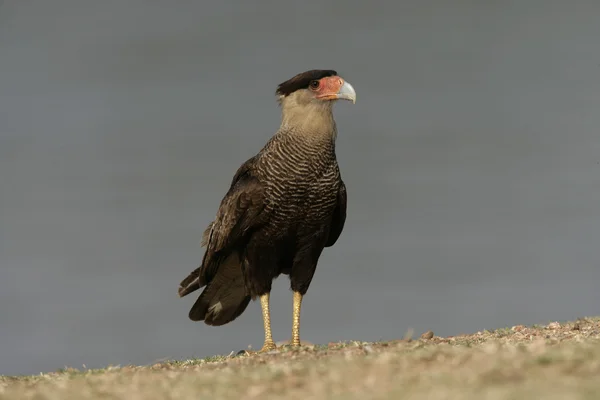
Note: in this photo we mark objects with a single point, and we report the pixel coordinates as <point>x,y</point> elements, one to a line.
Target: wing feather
<point>339,217</point>
<point>241,211</point>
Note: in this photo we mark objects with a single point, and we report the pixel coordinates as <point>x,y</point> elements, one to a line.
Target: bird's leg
<point>269,343</point>
<point>296,319</point>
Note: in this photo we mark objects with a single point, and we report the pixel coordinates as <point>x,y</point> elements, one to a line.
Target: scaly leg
<point>296,319</point>
<point>266,314</point>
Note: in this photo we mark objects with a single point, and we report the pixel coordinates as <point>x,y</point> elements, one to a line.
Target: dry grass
<point>557,361</point>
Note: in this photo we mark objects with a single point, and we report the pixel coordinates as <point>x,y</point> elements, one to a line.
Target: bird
<point>284,205</point>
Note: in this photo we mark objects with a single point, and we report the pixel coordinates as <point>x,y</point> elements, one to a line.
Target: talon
<point>268,347</point>
<point>265,349</point>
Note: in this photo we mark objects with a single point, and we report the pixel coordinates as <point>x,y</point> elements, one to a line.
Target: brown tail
<point>191,283</point>
<point>224,299</point>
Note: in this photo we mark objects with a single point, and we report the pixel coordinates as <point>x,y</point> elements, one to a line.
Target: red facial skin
<point>328,88</point>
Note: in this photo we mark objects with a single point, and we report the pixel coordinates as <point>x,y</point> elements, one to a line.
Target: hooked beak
<point>346,92</point>
<point>337,88</point>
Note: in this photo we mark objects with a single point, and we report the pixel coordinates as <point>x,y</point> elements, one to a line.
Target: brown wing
<point>339,217</point>
<point>241,211</point>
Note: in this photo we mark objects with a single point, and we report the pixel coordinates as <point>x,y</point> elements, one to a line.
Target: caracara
<point>284,206</point>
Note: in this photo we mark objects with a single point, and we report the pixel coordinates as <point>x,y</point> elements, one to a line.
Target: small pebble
<point>427,335</point>
<point>553,325</point>
<point>368,349</point>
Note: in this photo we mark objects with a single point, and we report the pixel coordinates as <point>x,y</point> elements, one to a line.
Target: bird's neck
<point>313,122</point>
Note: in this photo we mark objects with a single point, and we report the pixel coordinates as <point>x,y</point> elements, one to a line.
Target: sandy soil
<point>556,361</point>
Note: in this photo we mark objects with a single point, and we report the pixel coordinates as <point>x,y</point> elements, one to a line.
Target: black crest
<point>302,80</point>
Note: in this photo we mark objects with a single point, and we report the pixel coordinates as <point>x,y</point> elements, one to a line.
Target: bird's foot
<point>268,346</point>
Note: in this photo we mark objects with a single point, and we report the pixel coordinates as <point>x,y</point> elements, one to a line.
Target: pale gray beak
<point>347,92</point>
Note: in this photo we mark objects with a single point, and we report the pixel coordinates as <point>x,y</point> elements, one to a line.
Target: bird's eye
<point>314,85</point>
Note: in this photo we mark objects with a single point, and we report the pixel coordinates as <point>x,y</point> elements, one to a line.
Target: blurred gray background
<point>472,160</point>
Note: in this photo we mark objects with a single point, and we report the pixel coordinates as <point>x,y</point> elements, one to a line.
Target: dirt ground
<point>555,361</point>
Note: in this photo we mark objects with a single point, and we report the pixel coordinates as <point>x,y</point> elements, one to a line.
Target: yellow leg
<point>296,319</point>
<point>266,314</point>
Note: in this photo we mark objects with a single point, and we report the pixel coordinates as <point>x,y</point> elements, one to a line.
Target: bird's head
<point>315,87</point>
